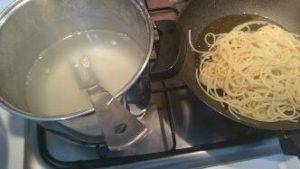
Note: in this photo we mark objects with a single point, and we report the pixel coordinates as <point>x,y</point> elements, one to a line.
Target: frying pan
<point>217,16</point>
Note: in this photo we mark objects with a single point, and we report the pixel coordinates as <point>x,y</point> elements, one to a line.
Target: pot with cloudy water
<point>40,38</point>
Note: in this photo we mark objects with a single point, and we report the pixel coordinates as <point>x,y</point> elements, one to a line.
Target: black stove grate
<point>102,161</point>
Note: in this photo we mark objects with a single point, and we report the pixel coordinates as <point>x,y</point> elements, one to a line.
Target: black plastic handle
<point>170,50</point>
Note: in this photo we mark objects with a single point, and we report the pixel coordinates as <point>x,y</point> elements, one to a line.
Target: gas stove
<point>185,133</point>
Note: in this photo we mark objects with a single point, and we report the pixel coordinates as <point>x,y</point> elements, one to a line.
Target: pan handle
<point>170,50</point>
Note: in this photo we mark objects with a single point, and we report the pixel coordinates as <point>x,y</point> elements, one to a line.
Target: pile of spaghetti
<point>254,71</point>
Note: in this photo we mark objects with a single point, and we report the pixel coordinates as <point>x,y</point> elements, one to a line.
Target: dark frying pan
<point>202,16</point>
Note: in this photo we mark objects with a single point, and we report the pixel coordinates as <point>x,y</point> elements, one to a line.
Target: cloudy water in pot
<point>51,88</point>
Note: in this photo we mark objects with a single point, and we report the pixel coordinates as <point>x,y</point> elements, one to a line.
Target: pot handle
<point>119,127</point>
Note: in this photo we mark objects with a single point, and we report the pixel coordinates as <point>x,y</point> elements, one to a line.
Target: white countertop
<point>278,161</point>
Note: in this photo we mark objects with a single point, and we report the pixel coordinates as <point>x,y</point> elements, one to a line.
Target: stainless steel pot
<point>29,26</point>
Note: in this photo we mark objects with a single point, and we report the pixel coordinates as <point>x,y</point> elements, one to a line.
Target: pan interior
<point>225,25</point>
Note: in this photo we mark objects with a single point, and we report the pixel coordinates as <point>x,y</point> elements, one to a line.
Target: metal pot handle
<point>119,127</point>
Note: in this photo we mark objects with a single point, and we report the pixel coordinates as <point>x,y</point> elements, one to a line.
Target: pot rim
<point>7,12</point>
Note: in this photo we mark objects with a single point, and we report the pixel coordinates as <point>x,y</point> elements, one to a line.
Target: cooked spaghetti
<point>254,71</point>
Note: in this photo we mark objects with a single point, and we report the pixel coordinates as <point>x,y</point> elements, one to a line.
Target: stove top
<point>185,132</point>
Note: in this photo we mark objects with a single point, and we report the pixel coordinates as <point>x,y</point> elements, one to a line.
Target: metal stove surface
<point>201,138</point>
<point>192,135</point>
